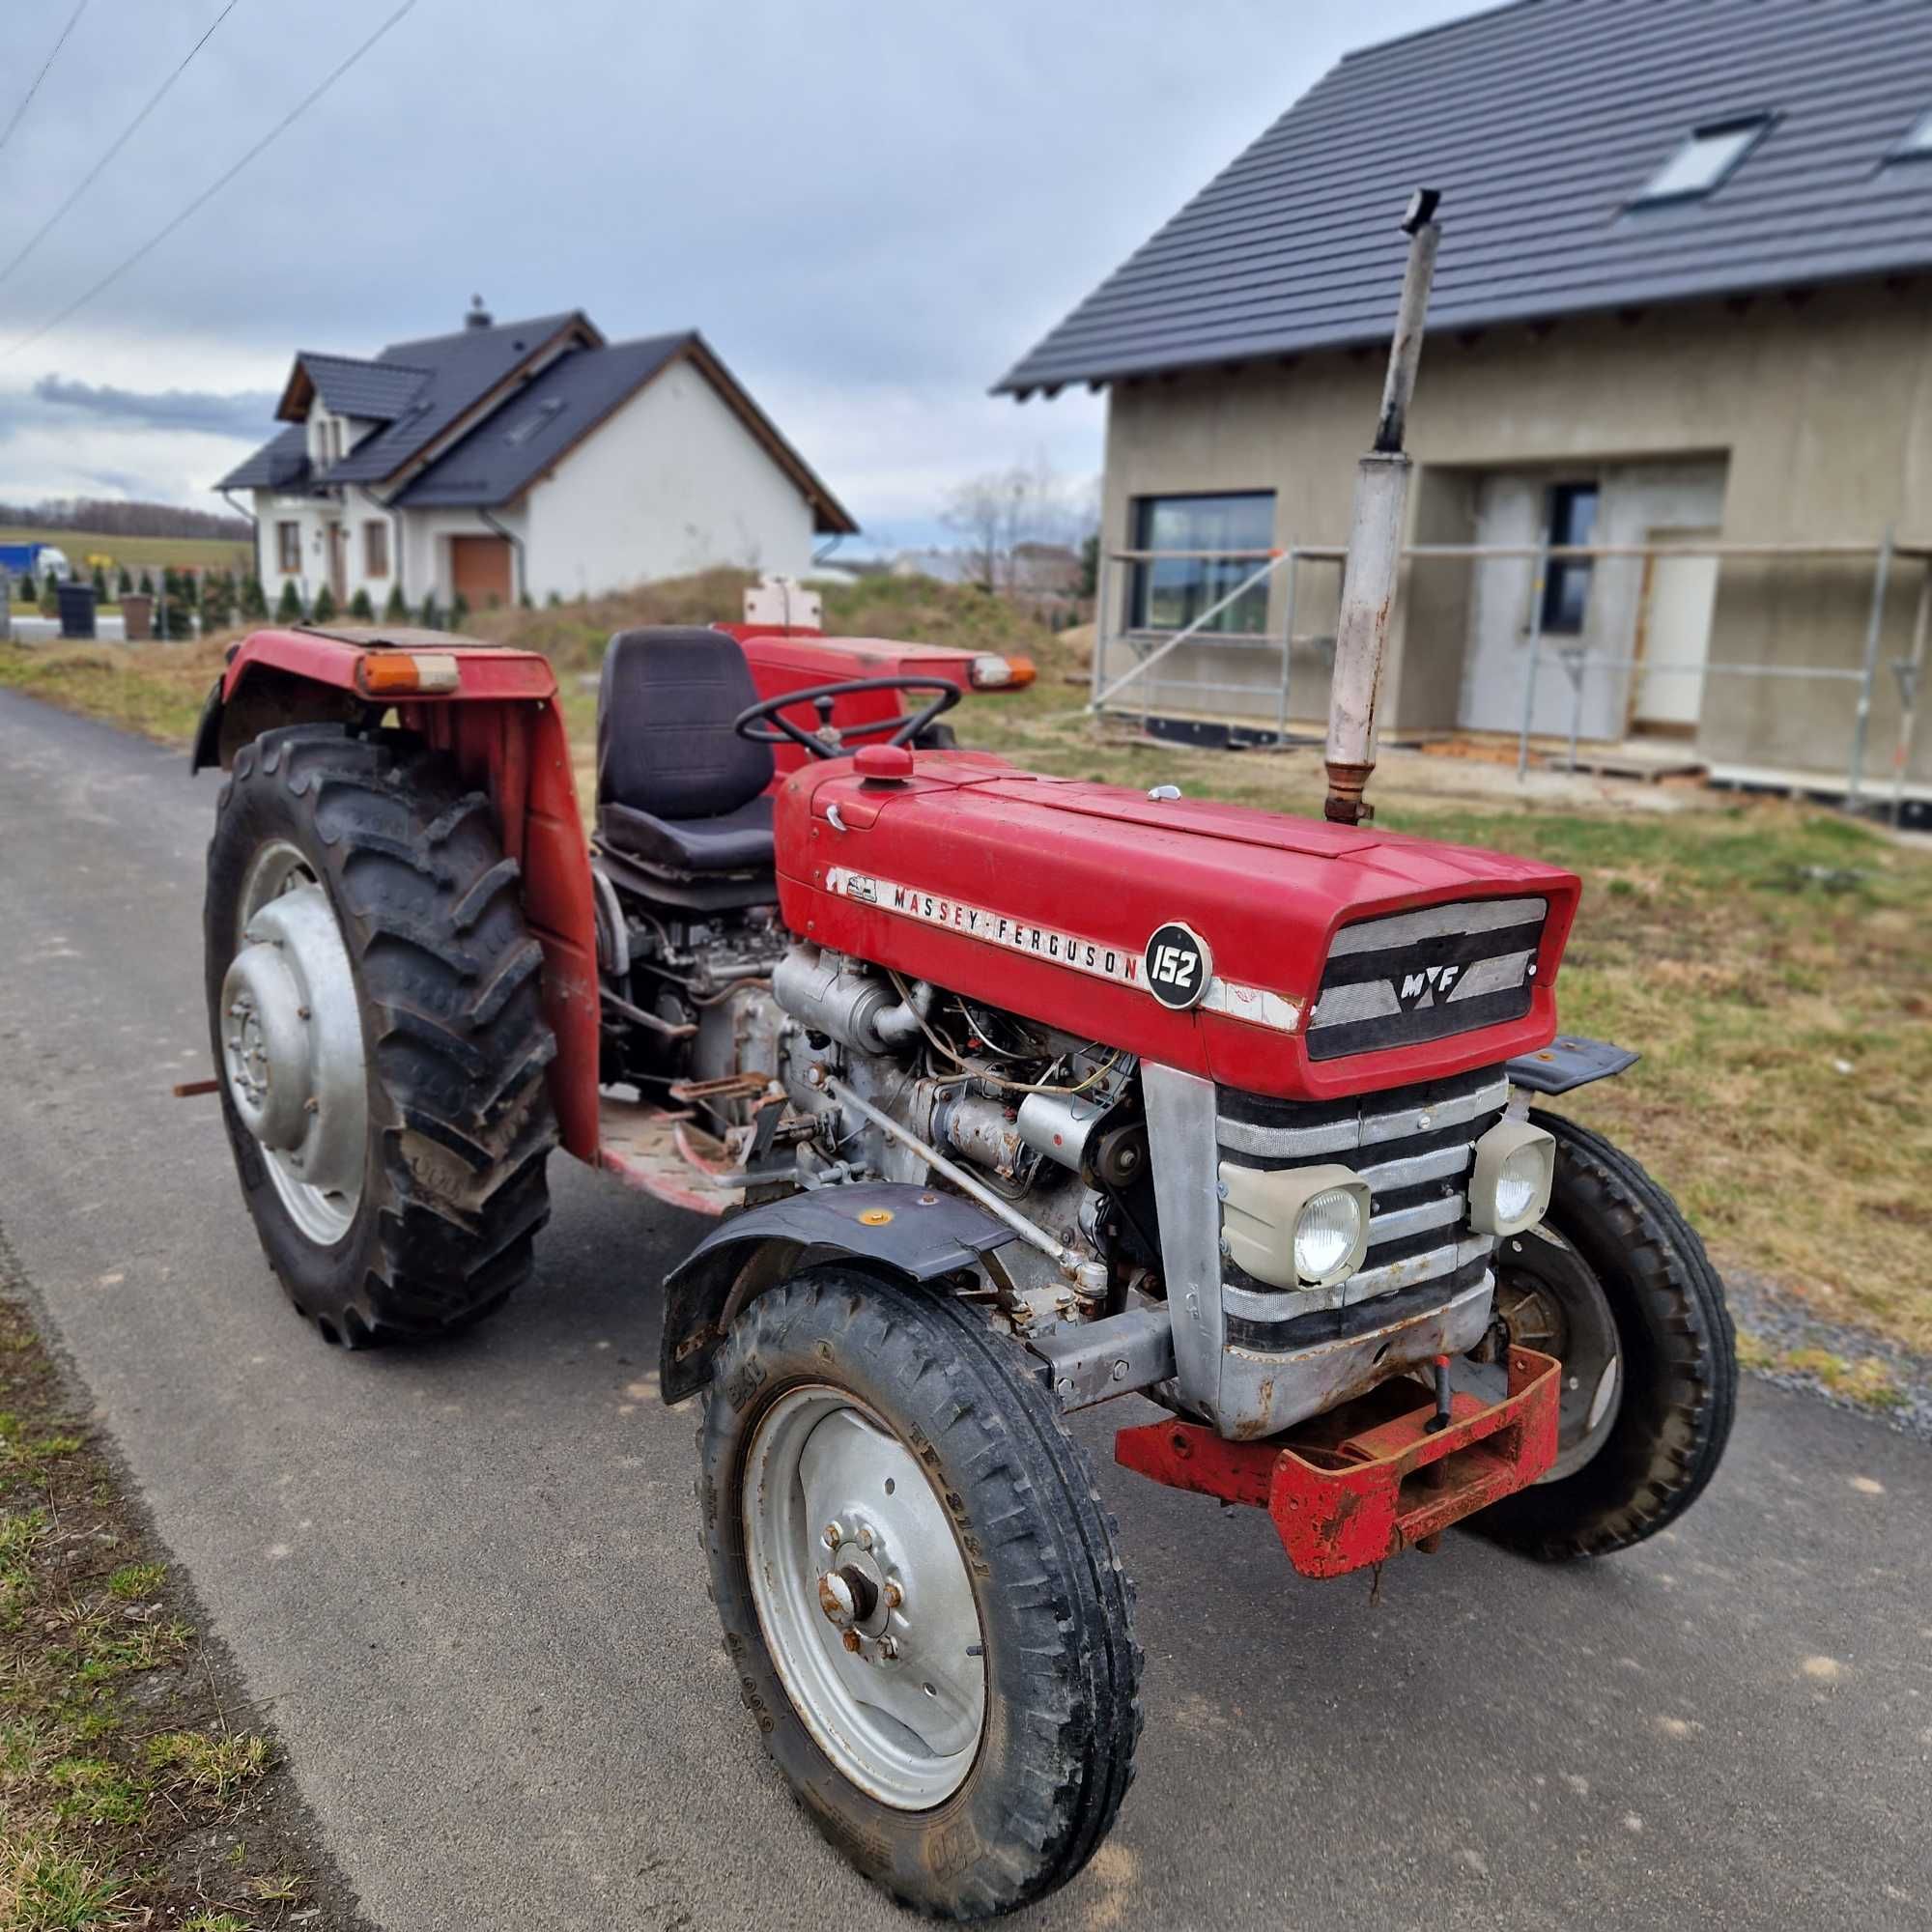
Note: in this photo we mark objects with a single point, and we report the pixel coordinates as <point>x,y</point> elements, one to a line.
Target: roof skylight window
<point>1916,144</point>
<point>1703,159</point>
<point>545,413</point>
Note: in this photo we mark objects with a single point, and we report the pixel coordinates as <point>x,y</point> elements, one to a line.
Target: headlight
<point>1509,1188</point>
<point>1325,1233</point>
<point>1295,1227</point>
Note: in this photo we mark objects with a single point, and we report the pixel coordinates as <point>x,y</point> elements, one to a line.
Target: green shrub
<point>395,610</point>
<point>432,613</point>
<point>125,585</point>
<point>459,612</point>
<point>254,599</point>
<point>147,584</point>
<point>360,607</point>
<point>49,596</point>
<point>324,607</point>
<point>99,583</point>
<point>289,605</point>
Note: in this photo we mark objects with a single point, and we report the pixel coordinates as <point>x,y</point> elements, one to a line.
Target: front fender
<point>916,1233</point>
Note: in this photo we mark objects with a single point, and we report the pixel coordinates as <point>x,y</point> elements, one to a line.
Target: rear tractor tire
<point>372,1007</point>
<point>1617,1286</point>
<point>920,1590</point>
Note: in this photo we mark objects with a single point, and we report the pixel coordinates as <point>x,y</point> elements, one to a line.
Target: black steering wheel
<point>765,722</point>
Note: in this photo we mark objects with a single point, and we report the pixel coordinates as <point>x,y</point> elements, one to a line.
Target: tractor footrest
<point>1368,1480</point>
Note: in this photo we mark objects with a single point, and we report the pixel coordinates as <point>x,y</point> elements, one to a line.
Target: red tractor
<point>1010,1094</point>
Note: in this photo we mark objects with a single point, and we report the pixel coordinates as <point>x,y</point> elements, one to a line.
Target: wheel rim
<point>293,1054</point>
<point>1550,1299</point>
<point>864,1599</point>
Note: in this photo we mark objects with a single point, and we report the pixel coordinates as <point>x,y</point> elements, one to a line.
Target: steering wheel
<point>765,722</point>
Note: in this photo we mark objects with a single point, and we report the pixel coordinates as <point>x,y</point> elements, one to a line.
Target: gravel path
<point>1788,1325</point>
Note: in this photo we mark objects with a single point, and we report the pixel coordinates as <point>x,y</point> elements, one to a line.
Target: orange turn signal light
<point>993,672</point>
<point>399,673</point>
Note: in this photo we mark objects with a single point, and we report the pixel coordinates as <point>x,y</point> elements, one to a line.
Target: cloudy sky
<point>871,210</point>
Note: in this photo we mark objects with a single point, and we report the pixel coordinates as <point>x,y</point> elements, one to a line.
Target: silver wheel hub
<point>864,1599</point>
<point>292,1044</point>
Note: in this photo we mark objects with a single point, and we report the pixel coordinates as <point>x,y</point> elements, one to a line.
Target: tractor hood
<point>1207,937</point>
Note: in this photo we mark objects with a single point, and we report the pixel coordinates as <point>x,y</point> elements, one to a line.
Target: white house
<point>523,459</point>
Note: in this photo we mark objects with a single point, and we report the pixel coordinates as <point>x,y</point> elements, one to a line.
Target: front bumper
<point>1369,1479</point>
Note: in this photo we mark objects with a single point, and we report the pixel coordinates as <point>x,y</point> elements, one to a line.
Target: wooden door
<point>479,571</point>
<point>338,564</point>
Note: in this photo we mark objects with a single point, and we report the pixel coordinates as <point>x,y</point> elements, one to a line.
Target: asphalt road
<point>467,1583</point>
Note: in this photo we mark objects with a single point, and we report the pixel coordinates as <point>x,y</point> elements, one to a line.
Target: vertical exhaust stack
<point>1375,539</point>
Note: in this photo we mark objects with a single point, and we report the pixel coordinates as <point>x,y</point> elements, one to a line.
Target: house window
<point>289,549</point>
<point>1566,583</point>
<point>335,440</point>
<point>1169,593</point>
<point>1916,144</point>
<point>374,550</point>
<point>1703,159</point>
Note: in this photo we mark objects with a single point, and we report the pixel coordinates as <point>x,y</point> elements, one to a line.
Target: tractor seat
<point>676,786</point>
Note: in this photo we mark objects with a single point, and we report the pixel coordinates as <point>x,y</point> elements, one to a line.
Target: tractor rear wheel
<point>1617,1286</point>
<point>919,1591</point>
<point>372,1007</point>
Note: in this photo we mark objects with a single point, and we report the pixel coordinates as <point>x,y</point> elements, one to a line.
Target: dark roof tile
<point>1540,122</point>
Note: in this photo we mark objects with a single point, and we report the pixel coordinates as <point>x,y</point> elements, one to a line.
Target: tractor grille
<point>1414,1147</point>
<point>1419,976</point>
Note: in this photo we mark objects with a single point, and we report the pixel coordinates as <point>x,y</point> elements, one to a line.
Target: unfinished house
<point>1673,431</point>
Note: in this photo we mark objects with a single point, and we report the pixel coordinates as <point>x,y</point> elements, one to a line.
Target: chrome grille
<point>1413,1145</point>
<point>1421,976</point>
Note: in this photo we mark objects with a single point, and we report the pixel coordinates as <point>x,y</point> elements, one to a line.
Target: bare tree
<point>1004,508</point>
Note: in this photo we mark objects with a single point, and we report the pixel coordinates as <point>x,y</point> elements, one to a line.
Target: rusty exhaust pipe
<point>1375,538</point>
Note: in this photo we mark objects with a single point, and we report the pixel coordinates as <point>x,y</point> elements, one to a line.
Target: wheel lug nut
<point>865,1537</point>
<point>851,1642</point>
<point>835,1535</point>
<point>895,1596</point>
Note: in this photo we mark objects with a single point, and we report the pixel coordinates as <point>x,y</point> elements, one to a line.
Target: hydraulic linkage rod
<point>1375,538</point>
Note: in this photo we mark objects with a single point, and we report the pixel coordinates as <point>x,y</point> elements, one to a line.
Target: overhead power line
<point>42,75</point>
<point>127,134</point>
<point>208,193</point>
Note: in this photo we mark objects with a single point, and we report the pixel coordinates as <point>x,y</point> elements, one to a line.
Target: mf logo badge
<point>1426,987</point>
<point>1178,966</point>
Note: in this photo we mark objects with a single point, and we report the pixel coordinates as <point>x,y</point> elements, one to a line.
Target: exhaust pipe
<point>1375,539</point>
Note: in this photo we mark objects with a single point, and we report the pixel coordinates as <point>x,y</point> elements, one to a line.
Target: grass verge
<point>134,1789</point>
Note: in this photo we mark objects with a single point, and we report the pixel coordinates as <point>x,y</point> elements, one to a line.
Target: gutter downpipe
<point>516,544</point>
<point>1375,539</point>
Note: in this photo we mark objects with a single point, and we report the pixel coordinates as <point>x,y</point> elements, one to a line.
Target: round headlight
<point>1325,1233</point>
<point>1519,1182</point>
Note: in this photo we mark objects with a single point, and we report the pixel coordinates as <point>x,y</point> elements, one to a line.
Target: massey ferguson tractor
<point>1005,1096</point>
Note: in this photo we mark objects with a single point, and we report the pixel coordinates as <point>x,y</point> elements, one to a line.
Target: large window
<point>1235,531</point>
<point>289,549</point>
<point>1566,587</point>
<point>374,550</point>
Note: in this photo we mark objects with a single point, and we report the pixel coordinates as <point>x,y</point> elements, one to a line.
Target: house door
<point>338,563</point>
<point>1674,634</point>
<point>479,571</point>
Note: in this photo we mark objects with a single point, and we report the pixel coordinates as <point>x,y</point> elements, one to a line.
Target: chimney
<point>478,316</point>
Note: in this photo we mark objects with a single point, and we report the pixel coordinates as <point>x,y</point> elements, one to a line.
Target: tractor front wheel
<point>373,1006</point>
<point>1616,1284</point>
<point>919,1591</point>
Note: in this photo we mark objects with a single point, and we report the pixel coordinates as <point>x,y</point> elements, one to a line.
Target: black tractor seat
<point>678,790</point>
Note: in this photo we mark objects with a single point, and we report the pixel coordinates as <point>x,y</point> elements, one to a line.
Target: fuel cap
<point>884,764</point>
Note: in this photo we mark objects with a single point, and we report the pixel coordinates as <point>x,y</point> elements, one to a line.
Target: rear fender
<point>916,1234</point>
<point>498,719</point>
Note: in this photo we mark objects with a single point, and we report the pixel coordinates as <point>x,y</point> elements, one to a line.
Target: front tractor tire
<point>1615,1283</point>
<point>373,1007</point>
<point>919,1591</point>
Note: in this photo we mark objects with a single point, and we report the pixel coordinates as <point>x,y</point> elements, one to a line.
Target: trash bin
<point>76,609</point>
<point>137,616</point>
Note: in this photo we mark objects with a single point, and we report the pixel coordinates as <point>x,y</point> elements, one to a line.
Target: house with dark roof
<point>525,459</point>
<point>1683,304</point>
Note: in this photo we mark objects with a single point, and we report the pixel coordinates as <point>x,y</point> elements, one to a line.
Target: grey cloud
<point>247,413</point>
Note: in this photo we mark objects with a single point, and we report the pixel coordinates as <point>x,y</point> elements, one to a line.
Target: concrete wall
<point>1821,408</point>
<point>671,482</point>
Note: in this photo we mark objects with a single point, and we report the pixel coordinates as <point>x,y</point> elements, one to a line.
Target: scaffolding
<point>1130,691</point>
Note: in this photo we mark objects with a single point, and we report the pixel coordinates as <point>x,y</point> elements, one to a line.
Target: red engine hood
<point>1041,893</point>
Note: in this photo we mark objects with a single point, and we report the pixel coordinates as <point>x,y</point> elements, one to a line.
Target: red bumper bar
<point>1362,1483</point>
